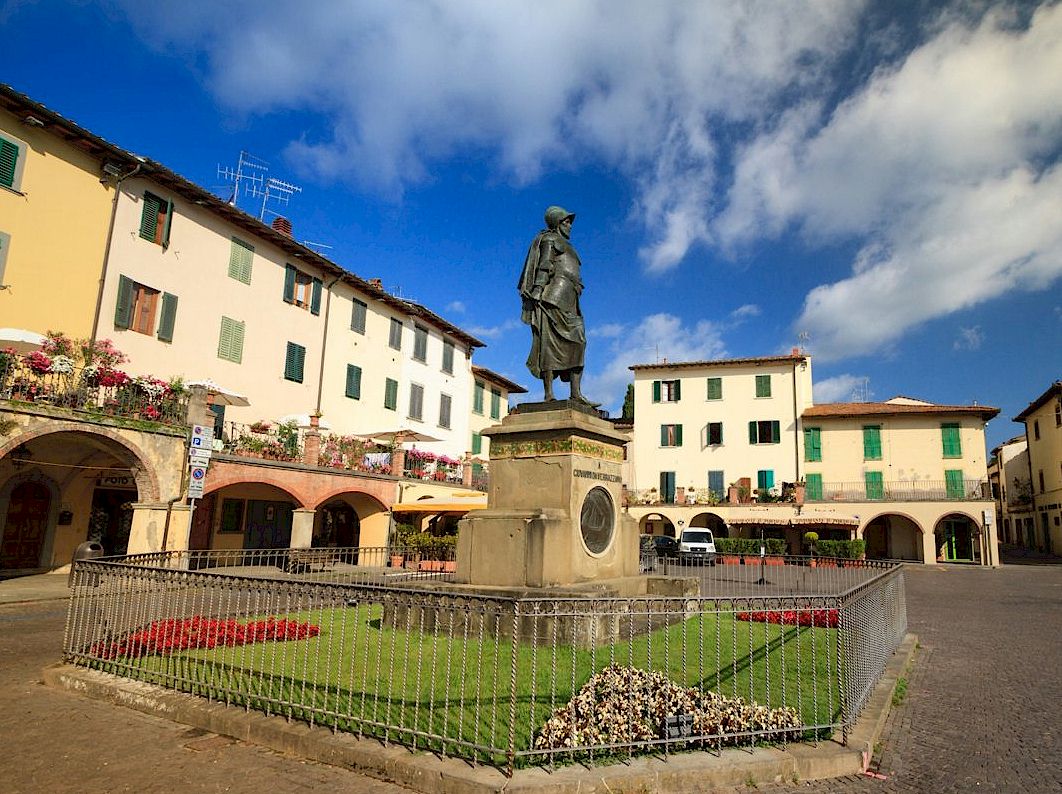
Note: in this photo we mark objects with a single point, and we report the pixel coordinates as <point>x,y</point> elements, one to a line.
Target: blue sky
<point>882,178</point>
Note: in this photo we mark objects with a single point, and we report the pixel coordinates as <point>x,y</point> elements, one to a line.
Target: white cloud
<point>939,169</point>
<point>607,331</point>
<point>742,313</point>
<point>494,331</point>
<point>840,388</point>
<point>969,339</point>
<point>457,307</point>
<point>657,337</point>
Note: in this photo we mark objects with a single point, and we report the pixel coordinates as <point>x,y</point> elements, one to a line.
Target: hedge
<point>749,546</point>
<point>845,549</point>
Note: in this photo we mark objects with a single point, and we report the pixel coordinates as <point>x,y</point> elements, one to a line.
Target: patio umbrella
<point>303,420</point>
<point>400,436</point>
<point>221,395</point>
<point>20,340</point>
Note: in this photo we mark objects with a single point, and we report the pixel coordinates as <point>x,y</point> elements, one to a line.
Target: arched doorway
<point>957,539</point>
<point>338,525</point>
<point>25,526</point>
<point>893,537</point>
<point>656,524</point>
<point>710,521</point>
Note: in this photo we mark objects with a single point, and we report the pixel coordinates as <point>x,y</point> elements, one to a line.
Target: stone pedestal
<point>554,509</point>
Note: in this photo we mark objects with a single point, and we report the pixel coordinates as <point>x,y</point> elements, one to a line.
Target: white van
<point>697,545</point>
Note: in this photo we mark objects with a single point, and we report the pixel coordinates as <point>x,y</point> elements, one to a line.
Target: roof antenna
<point>249,173</point>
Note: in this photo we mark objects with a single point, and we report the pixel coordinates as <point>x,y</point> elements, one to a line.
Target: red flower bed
<point>167,636</point>
<point>816,618</point>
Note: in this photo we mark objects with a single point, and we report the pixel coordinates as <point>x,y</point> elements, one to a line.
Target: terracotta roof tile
<point>839,410</point>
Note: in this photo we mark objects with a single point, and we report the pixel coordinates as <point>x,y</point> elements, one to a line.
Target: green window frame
<point>477,444</point>
<point>671,435</point>
<point>813,487</point>
<point>715,389</point>
<point>416,402</point>
<point>358,313</point>
<point>763,385</point>
<point>156,216</point>
<point>448,357</point>
<point>951,440</point>
<point>477,397</point>
<point>765,479</point>
<point>353,386</point>
<point>495,403</point>
<point>11,152</point>
<point>394,338</point>
<point>391,394</point>
<point>871,442</point>
<point>445,407</point>
<point>230,340</point>
<point>302,289</point>
<point>241,259</point>
<point>766,431</point>
<point>874,484</point>
<point>420,343</point>
<point>954,485</point>
<point>715,483</point>
<point>667,487</point>
<point>167,317</point>
<point>294,362</point>
<point>812,444</point>
<point>713,434</point>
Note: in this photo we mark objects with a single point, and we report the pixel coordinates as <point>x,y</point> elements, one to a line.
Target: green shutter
<point>8,161</point>
<point>241,257</point>
<point>872,442</point>
<point>812,444</point>
<point>495,404</point>
<point>477,398</point>
<point>166,226</point>
<point>765,479</point>
<point>776,432</point>
<point>294,358</point>
<point>289,284</point>
<point>951,440</point>
<point>715,483</point>
<point>168,317</point>
<point>230,340</point>
<point>123,306</point>
<point>353,382</point>
<point>149,217</point>
<point>813,487</point>
<point>763,385</point>
<point>874,485</point>
<point>678,435</point>
<point>656,391</point>
<point>715,388</point>
<point>477,444</point>
<point>954,484</point>
<point>315,297</point>
<point>678,390</point>
<point>357,316</point>
<point>753,438</point>
<point>663,435</point>
<point>391,394</point>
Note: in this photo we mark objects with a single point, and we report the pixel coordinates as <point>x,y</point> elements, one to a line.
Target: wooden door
<point>26,525</point>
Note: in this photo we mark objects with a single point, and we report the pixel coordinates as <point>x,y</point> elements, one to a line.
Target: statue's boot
<point>577,394</point>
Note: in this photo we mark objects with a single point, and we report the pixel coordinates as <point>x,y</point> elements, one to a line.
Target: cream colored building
<point>489,405</point>
<point>1043,433</point>
<point>1008,473</point>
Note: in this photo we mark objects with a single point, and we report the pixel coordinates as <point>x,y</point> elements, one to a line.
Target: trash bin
<point>89,550</point>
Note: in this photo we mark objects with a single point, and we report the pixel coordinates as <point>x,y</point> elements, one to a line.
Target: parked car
<point>659,545</point>
<point>696,545</point>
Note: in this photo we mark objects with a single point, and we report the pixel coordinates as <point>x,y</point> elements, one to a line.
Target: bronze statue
<point>550,286</point>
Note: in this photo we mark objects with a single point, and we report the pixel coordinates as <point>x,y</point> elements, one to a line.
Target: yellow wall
<point>57,223</point>
<point>1045,455</point>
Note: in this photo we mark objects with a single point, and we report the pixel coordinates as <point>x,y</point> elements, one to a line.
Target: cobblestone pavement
<point>983,710</point>
<point>54,741</point>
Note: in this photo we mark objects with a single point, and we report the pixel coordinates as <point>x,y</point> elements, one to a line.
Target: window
<point>715,484</point>
<point>1042,489</point>
<point>813,487</point>
<point>763,385</point>
<point>231,516</point>
<point>358,315</point>
<point>667,487</point>
<point>1058,405</point>
<point>477,398</point>
<point>241,256</point>
<point>138,306</point>
<point>416,401</point>
<point>230,340</point>
<point>448,357</point>
<point>302,289</point>
<point>874,485</point>
<point>495,404</point>
<point>391,394</point>
<point>12,159</point>
<point>668,391</point>
<point>395,337</point>
<point>764,480</point>
<point>949,436</point>
<point>5,243</point>
<point>766,432</point>
<point>871,442</point>
<point>445,402</point>
<point>713,434</point>
<point>477,444</point>
<point>353,389</point>
<point>953,484</point>
<point>294,359</point>
<point>155,218</point>
<point>420,343</point>
<point>671,435</point>
<point>812,444</point>
<point>1036,429</point>
<point>715,388</point>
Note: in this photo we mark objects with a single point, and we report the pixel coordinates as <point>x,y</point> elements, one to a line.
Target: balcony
<point>968,490</point>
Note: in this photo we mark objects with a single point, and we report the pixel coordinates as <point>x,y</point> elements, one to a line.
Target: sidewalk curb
<point>693,771</point>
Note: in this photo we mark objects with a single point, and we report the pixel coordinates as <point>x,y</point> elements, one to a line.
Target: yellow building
<point>55,206</point>
<point>1043,432</point>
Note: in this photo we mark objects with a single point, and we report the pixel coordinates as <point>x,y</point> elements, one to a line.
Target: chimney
<point>282,225</point>
<point>796,351</point>
<point>376,282</point>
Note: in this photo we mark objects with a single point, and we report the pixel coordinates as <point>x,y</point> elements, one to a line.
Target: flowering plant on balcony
<point>154,388</point>
<point>102,375</point>
<point>421,455</point>
<point>261,426</point>
<point>8,358</point>
<point>151,413</point>
<point>38,362</point>
<point>56,343</point>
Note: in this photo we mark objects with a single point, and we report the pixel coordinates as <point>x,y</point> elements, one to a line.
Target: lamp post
<point>763,559</point>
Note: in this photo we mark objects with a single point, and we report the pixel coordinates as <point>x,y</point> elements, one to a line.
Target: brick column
<point>466,471</point>
<point>398,461</point>
<point>311,448</point>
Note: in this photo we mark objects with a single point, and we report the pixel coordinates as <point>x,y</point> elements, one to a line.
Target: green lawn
<point>362,676</point>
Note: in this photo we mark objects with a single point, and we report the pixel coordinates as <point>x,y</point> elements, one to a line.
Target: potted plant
<point>811,540</point>
<point>727,551</point>
<point>775,551</point>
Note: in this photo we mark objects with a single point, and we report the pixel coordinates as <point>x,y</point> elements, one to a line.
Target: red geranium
<point>182,634</point>
<point>816,618</point>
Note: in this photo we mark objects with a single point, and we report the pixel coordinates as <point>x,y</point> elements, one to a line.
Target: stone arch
<point>337,493</point>
<point>894,535</point>
<point>656,524</point>
<point>147,479</point>
<point>54,493</point>
<point>712,521</point>
<point>373,515</point>
<point>227,482</point>
<point>956,537</point>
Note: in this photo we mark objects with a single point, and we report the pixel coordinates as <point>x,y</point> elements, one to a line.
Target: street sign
<point>201,461</point>
<point>202,431</point>
<point>195,482</point>
<point>200,452</point>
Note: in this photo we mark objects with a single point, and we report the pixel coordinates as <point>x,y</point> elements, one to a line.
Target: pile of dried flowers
<point>625,705</point>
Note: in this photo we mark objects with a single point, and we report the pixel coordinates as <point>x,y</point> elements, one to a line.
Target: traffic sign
<point>196,481</point>
<point>200,452</point>
<point>199,460</point>
<point>202,431</point>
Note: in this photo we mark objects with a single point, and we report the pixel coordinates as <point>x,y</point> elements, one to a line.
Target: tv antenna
<point>803,338</point>
<point>314,246</point>
<point>275,189</point>
<point>249,173</point>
